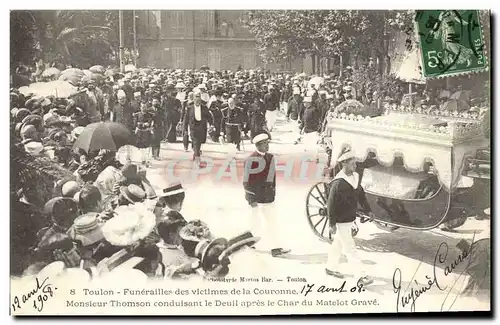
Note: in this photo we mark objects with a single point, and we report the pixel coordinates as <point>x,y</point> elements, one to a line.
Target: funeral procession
<point>304,146</point>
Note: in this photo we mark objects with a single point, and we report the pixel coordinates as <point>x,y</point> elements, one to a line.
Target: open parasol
<point>51,73</point>
<point>57,88</point>
<point>97,69</point>
<point>72,75</point>
<point>104,135</point>
<point>111,72</point>
<point>92,76</point>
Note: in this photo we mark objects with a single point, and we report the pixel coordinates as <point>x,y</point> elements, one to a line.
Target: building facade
<point>189,39</point>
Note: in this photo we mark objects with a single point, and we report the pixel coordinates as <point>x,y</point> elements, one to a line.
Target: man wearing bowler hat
<point>345,195</point>
<point>260,191</point>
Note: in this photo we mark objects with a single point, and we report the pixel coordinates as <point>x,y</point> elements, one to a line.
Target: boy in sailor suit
<point>345,195</point>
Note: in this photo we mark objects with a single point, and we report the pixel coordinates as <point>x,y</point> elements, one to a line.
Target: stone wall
<point>165,40</point>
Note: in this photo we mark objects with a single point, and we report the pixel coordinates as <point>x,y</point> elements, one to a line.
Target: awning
<point>416,139</point>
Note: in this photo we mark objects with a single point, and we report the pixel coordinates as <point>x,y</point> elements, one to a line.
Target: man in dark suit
<point>260,190</point>
<point>122,111</point>
<point>311,127</point>
<point>158,115</point>
<point>197,118</point>
<point>232,123</point>
<point>172,108</point>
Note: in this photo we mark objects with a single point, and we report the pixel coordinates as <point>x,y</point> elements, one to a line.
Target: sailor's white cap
<point>260,137</point>
<point>346,154</point>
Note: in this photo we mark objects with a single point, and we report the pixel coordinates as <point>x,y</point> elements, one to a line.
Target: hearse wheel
<point>316,210</point>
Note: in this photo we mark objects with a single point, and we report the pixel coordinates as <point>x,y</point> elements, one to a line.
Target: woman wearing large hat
<point>132,174</point>
<point>86,231</point>
<point>174,260</point>
<point>132,228</point>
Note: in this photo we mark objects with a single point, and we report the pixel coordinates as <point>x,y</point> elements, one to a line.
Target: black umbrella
<point>104,135</point>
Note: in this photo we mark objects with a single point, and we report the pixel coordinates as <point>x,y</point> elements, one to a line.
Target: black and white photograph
<point>249,162</point>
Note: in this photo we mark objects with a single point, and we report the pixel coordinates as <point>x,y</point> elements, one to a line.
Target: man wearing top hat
<point>345,195</point>
<point>260,191</point>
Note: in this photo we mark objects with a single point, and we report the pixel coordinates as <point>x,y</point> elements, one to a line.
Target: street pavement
<point>222,206</point>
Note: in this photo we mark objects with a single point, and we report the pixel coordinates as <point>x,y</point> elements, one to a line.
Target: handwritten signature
<point>408,297</point>
<point>41,293</point>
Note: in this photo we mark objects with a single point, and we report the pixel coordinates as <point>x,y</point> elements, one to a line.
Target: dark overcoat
<point>197,129</point>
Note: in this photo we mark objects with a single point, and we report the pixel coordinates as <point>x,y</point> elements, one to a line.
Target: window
<point>216,22</point>
<point>223,29</point>
<point>177,21</point>
<point>210,21</point>
<point>214,59</point>
<point>249,60</point>
<point>178,56</point>
<point>230,30</point>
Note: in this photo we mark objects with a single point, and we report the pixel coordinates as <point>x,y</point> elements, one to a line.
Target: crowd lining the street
<point>66,222</point>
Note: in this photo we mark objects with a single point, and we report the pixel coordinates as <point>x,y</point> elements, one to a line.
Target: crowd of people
<point>74,220</point>
<point>66,222</point>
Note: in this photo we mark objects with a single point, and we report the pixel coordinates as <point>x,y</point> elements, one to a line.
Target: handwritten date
<point>41,292</point>
<point>340,289</point>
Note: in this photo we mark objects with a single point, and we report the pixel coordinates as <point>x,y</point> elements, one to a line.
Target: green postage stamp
<point>451,42</point>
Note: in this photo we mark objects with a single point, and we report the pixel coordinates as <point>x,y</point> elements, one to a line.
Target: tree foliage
<point>24,46</point>
<point>282,34</point>
<point>78,37</point>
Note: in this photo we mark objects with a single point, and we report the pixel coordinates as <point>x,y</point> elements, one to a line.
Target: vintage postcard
<point>249,162</point>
